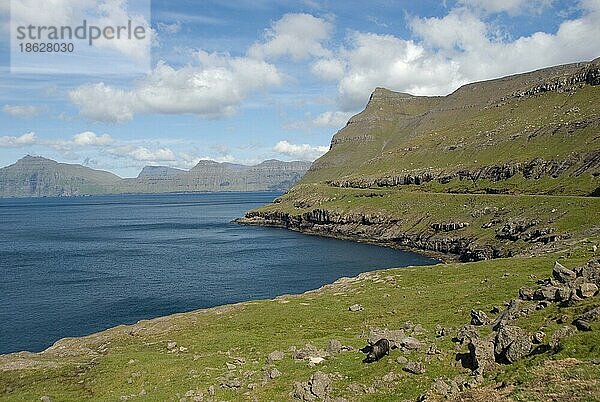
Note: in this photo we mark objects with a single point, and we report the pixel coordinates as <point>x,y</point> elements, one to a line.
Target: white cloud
<point>144,154</point>
<point>22,111</point>
<point>89,138</point>
<point>301,151</point>
<point>450,51</point>
<point>169,28</point>
<point>296,35</point>
<point>331,119</point>
<point>512,7</point>
<point>212,90</point>
<point>328,69</point>
<point>29,138</point>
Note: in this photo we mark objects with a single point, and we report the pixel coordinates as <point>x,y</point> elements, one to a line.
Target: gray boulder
<point>478,317</point>
<point>562,274</point>
<point>511,344</point>
<point>482,355</point>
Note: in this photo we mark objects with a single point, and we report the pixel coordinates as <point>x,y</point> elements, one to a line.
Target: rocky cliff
<point>34,176</point>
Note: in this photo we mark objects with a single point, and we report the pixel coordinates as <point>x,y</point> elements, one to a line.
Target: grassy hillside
<point>221,353</point>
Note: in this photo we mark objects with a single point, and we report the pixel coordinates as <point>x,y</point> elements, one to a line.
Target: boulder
<point>317,387</point>
<point>559,335</point>
<point>482,355</point>
<point>414,368</point>
<point>333,347</point>
<point>562,274</point>
<point>410,343</point>
<point>356,307</point>
<point>275,356</point>
<point>586,290</point>
<point>478,317</point>
<point>511,344</point>
<point>394,336</point>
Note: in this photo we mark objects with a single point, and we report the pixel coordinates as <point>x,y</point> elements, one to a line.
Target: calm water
<point>73,266</point>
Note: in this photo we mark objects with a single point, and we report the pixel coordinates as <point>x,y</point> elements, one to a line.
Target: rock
<point>273,373</point>
<point>389,377</point>
<point>526,294</point>
<point>171,346</point>
<point>562,274</point>
<point>275,356</point>
<point>394,336</point>
<point>45,398</point>
<point>511,344</point>
<point>545,293</point>
<point>320,384</point>
<point>418,330</point>
<point>466,334</point>
<point>333,347</point>
<point>307,351</point>
<point>414,368</point>
<point>496,309</point>
<point>582,325</point>
<point>586,290</point>
<point>440,331</point>
<point>538,337</point>
<point>482,355</point>
<point>401,360</point>
<point>590,315</point>
<point>356,307</point>
<point>314,360</point>
<point>211,390</point>
<point>410,343</point>
<point>433,350</point>
<point>478,317</point>
<point>231,382</point>
<point>561,334</point>
<point>230,366</point>
<point>445,389</point>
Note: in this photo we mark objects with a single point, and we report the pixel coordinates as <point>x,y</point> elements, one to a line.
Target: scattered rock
<point>230,366</point>
<point>414,368</point>
<point>314,360</point>
<point>394,336</point>
<point>466,334</point>
<point>562,274</point>
<point>482,355</point>
<point>539,337</point>
<point>559,335</point>
<point>272,374</point>
<point>275,356</point>
<point>45,398</point>
<point>356,307</point>
<point>171,346</point>
<point>511,344</point>
<point>317,387</point>
<point>478,317</point>
<point>587,290</point>
<point>333,347</point>
<point>410,343</point>
<point>401,360</point>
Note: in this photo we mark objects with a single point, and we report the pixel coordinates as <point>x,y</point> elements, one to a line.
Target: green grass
<point>136,357</point>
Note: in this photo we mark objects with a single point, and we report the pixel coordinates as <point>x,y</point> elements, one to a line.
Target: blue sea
<point>74,266</point>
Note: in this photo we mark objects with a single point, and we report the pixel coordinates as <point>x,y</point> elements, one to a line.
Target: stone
<point>401,360</point>
<point>414,368</point>
<point>171,346</point>
<point>482,355</point>
<point>410,343</point>
<point>275,356</point>
<point>582,325</point>
<point>539,337</point>
<point>526,293</point>
<point>586,290</point>
<point>562,274</point>
<point>320,384</point>
<point>45,398</point>
<point>545,293</point>
<point>314,360</point>
<point>478,317</point>
<point>590,315</point>
<point>394,336</point>
<point>356,307</point>
<point>273,373</point>
<point>307,351</point>
<point>230,366</point>
<point>466,334</point>
<point>511,343</point>
<point>333,347</point>
<point>559,335</point>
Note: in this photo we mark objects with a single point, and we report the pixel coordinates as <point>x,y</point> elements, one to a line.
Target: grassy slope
<point>128,359</point>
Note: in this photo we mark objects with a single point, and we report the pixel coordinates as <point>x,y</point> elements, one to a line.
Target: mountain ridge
<point>37,176</point>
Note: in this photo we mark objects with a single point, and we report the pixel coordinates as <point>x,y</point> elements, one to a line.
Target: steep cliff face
<point>210,176</point>
<point>473,173</point>
<point>542,124</point>
<point>41,177</point>
<point>34,176</point>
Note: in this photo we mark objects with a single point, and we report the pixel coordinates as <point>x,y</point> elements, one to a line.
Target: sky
<point>243,81</point>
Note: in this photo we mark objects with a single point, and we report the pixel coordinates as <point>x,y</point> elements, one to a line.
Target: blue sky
<point>243,81</point>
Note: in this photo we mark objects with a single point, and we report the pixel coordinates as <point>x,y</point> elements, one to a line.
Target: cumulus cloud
<point>447,52</point>
<point>22,112</point>
<point>213,89</point>
<point>169,28</point>
<point>89,138</point>
<point>29,138</point>
<point>296,35</point>
<point>144,154</point>
<point>331,119</point>
<point>300,151</point>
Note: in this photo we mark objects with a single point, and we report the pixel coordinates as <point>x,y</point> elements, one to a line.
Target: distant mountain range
<point>36,176</point>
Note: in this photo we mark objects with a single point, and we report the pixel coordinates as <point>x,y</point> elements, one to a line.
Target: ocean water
<point>74,266</point>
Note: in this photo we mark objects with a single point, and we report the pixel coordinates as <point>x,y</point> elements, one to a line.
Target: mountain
<point>497,168</point>
<point>34,176</point>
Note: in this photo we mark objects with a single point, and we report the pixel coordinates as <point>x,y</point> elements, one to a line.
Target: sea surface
<point>74,266</point>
